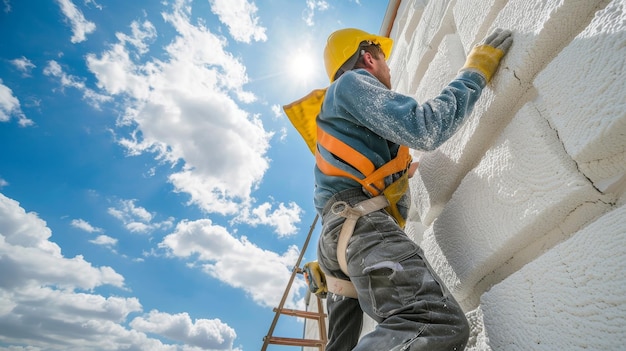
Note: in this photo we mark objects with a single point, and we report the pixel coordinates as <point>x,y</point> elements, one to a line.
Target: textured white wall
<point>522,212</point>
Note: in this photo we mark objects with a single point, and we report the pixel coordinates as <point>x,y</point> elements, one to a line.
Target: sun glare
<point>301,67</point>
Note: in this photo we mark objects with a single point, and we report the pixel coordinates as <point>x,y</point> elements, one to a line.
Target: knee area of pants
<point>459,329</point>
<point>463,330</point>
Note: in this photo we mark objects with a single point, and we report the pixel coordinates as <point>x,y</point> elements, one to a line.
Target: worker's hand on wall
<point>485,57</point>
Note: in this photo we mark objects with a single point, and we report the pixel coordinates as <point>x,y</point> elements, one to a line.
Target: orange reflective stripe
<point>345,152</point>
<point>332,170</point>
<point>398,164</point>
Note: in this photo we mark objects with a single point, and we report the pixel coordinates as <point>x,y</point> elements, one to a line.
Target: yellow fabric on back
<point>302,114</point>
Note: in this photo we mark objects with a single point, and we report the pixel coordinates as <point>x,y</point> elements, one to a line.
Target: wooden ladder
<point>320,316</point>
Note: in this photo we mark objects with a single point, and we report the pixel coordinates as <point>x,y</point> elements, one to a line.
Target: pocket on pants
<point>389,277</point>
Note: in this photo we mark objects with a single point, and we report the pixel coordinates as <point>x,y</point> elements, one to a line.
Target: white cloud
<point>31,266</point>
<point>10,106</point>
<point>282,136</point>
<point>283,219</point>
<point>24,65</point>
<point>136,218</point>
<point>277,110</point>
<point>261,273</point>
<point>207,334</point>
<point>95,4</point>
<point>41,307</point>
<point>312,6</point>
<point>142,34</point>
<point>240,18</point>
<point>84,225</point>
<point>3,183</point>
<point>183,111</point>
<point>104,240</point>
<point>80,26</point>
<point>24,229</point>
<point>54,69</point>
<point>50,319</point>
<point>27,255</point>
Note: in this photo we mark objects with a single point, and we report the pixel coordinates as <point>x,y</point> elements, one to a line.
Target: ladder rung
<point>303,314</point>
<point>295,342</point>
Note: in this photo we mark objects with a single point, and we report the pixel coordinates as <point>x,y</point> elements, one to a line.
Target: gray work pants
<point>395,285</point>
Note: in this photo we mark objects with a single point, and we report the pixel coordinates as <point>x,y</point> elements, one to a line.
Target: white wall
<point>522,212</point>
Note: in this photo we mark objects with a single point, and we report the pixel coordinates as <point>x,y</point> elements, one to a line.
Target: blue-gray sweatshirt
<point>360,111</point>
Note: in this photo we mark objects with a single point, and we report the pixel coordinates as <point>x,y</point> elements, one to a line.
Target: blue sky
<point>153,195</point>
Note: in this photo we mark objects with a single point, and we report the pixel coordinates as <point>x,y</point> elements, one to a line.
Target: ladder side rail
<point>322,323</point>
<point>267,339</point>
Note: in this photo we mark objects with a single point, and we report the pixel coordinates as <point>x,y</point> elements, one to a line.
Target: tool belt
<point>318,282</point>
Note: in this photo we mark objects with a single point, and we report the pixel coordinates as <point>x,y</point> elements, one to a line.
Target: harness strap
<point>352,214</point>
<point>345,152</point>
<point>341,287</point>
<point>372,179</point>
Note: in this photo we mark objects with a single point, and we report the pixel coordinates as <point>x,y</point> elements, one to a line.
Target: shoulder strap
<point>372,179</point>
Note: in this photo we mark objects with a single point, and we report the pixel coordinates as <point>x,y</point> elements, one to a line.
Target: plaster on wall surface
<point>524,186</point>
<point>571,298</point>
<point>583,89</point>
<point>511,204</point>
<point>543,30</point>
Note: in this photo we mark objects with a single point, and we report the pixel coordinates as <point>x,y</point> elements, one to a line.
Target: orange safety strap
<point>345,152</point>
<point>373,180</point>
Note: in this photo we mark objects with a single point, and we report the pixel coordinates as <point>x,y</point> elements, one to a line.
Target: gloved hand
<point>485,57</point>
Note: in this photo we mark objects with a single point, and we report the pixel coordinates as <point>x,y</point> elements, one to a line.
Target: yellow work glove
<point>486,57</point>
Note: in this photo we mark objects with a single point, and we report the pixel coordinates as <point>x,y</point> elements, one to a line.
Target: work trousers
<point>395,284</point>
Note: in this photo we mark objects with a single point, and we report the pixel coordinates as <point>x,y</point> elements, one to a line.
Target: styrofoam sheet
<point>584,89</point>
<point>525,186</point>
<point>571,298</point>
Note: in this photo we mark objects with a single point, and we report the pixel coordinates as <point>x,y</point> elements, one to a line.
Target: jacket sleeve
<point>399,118</point>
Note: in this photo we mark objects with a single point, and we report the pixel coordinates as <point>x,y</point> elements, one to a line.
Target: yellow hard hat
<point>343,44</point>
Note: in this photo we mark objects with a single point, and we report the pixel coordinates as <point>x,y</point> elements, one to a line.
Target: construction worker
<point>364,131</point>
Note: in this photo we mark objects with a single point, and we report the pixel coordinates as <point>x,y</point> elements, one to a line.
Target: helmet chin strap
<point>349,64</point>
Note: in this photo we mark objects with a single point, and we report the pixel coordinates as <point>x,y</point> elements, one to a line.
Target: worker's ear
<point>368,60</point>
